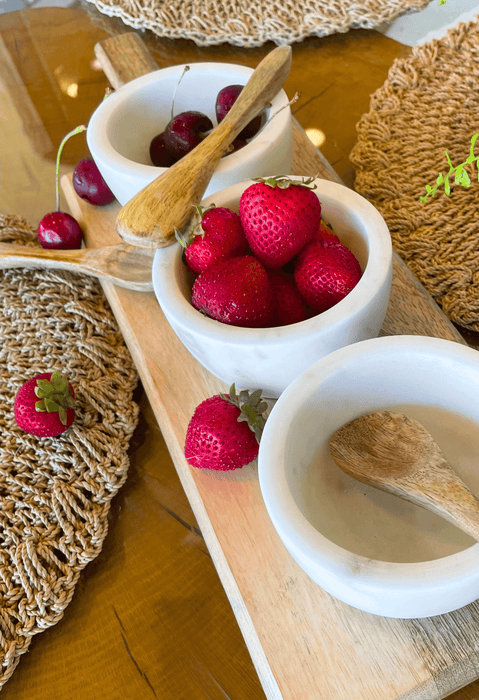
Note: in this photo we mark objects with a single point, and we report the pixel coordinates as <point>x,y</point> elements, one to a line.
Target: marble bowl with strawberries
<point>270,358</point>
<point>122,127</point>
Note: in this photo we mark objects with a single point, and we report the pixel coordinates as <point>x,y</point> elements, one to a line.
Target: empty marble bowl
<point>270,358</point>
<point>121,129</point>
<point>368,548</point>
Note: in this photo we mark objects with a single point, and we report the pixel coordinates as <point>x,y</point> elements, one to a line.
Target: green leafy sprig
<point>251,408</point>
<point>55,395</point>
<point>461,176</point>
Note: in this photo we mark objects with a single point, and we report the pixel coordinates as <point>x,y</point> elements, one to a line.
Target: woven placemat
<point>55,493</point>
<point>251,23</point>
<point>428,104</point>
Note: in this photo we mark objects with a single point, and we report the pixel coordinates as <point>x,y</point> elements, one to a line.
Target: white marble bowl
<point>270,358</point>
<point>121,129</point>
<point>370,549</point>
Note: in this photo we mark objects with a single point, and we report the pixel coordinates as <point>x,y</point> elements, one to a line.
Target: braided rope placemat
<point>428,104</point>
<point>251,23</point>
<point>55,493</point>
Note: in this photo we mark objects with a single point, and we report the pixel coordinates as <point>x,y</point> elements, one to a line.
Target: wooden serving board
<point>304,643</point>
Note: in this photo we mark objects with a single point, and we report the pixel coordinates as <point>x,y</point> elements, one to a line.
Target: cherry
<point>225,100</point>
<point>161,152</point>
<point>187,130</point>
<point>58,229</point>
<point>89,184</point>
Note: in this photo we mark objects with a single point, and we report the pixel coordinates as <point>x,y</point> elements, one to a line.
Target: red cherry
<point>89,184</point>
<point>59,230</point>
<point>162,153</point>
<point>225,100</point>
<point>187,130</point>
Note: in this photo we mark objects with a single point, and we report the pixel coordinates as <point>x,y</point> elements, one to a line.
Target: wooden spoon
<point>125,265</point>
<point>396,454</point>
<point>149,219</point>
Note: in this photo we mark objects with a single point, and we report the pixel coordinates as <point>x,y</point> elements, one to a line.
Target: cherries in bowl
<point>123,126</point>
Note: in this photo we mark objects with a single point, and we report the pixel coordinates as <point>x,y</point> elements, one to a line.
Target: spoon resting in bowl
<point>149,219</point>
<point>395,453</point>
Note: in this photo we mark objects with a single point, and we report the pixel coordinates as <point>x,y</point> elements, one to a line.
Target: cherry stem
<point>185,69</point>
<point>78,130</point>
<point>291,102</point>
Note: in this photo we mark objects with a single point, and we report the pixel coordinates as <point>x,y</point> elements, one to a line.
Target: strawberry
<point>53,413</point>
<point>279,217</point>
<point>325,233</point>
<point>218,235</point>
<point>236,291</point>
<point>289,306</point>
<point>225,431</point>
<point>325,273</point>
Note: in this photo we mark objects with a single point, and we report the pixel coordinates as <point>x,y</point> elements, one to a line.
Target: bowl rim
<point>375,275</point>
<point>301,534</point>
<point>97,129</point>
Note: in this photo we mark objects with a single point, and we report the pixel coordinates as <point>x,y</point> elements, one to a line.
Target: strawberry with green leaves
<point>216,236</point>
<point>44,405</point>
<point>225,431</point>
<point>279,216</point>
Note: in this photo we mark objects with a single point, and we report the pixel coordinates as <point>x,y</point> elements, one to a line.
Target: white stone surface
<point>433,22</point>
<point>342,532</point>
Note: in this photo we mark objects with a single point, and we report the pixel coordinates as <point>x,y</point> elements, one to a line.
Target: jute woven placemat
<point>251,23</point>
<point>55,493</point>
<point>428,104</point>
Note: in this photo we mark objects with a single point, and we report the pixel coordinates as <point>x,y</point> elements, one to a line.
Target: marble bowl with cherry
<point>270,358</point>
<point>121,129</point>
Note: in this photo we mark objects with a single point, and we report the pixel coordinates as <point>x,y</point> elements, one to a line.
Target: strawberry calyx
<point>55,395</point>
<point>186,238</point>
<point>284,181</point>
<point>251,408</point>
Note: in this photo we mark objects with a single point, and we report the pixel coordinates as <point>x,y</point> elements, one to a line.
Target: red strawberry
<point>289,306</point>
<point>225,431</point>
<point>279,217</point>
<point>236,291</point>
<point>324,233</point>
<point>43,406</point>
<point>325,273</point>
<point>218,235</point>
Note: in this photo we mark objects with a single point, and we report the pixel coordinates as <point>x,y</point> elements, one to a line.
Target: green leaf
<point>40,406</point>
<point>447,186</point>
<point>51,405</point>
<point>63,415</point>
<point>464,180</point>
<point>45,386</point>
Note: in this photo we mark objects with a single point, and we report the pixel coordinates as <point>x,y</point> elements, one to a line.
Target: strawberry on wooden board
<point>288,303</point>
<point>44,405</point>
<point>218,235</point>
<point>325,272</point>
<point>236,291</point>
<point>279,217</point>
<point>225,431</point>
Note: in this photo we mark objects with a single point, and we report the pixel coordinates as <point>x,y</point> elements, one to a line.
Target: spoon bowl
<point>395,453</point>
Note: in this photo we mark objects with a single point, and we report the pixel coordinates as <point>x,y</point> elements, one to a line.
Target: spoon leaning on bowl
<point>149,219</point>
<point>395,453</point>
<point>122,264</point>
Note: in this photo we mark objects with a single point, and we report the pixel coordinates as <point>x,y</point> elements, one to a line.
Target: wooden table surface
<point>149,617</point>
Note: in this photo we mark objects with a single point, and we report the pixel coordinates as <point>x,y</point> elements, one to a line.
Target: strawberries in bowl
<point>271,356</point>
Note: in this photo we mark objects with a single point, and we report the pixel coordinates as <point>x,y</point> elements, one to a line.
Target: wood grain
<point>304,643</point>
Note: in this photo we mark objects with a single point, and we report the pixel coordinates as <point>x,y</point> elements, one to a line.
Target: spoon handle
<point>124,265</point>
<point>149,219</point>
<point>445,493</point>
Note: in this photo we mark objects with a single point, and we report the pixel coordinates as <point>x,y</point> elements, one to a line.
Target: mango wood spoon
<point>123,264</point>
<point>149,219</point>
<point>394,453</point>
